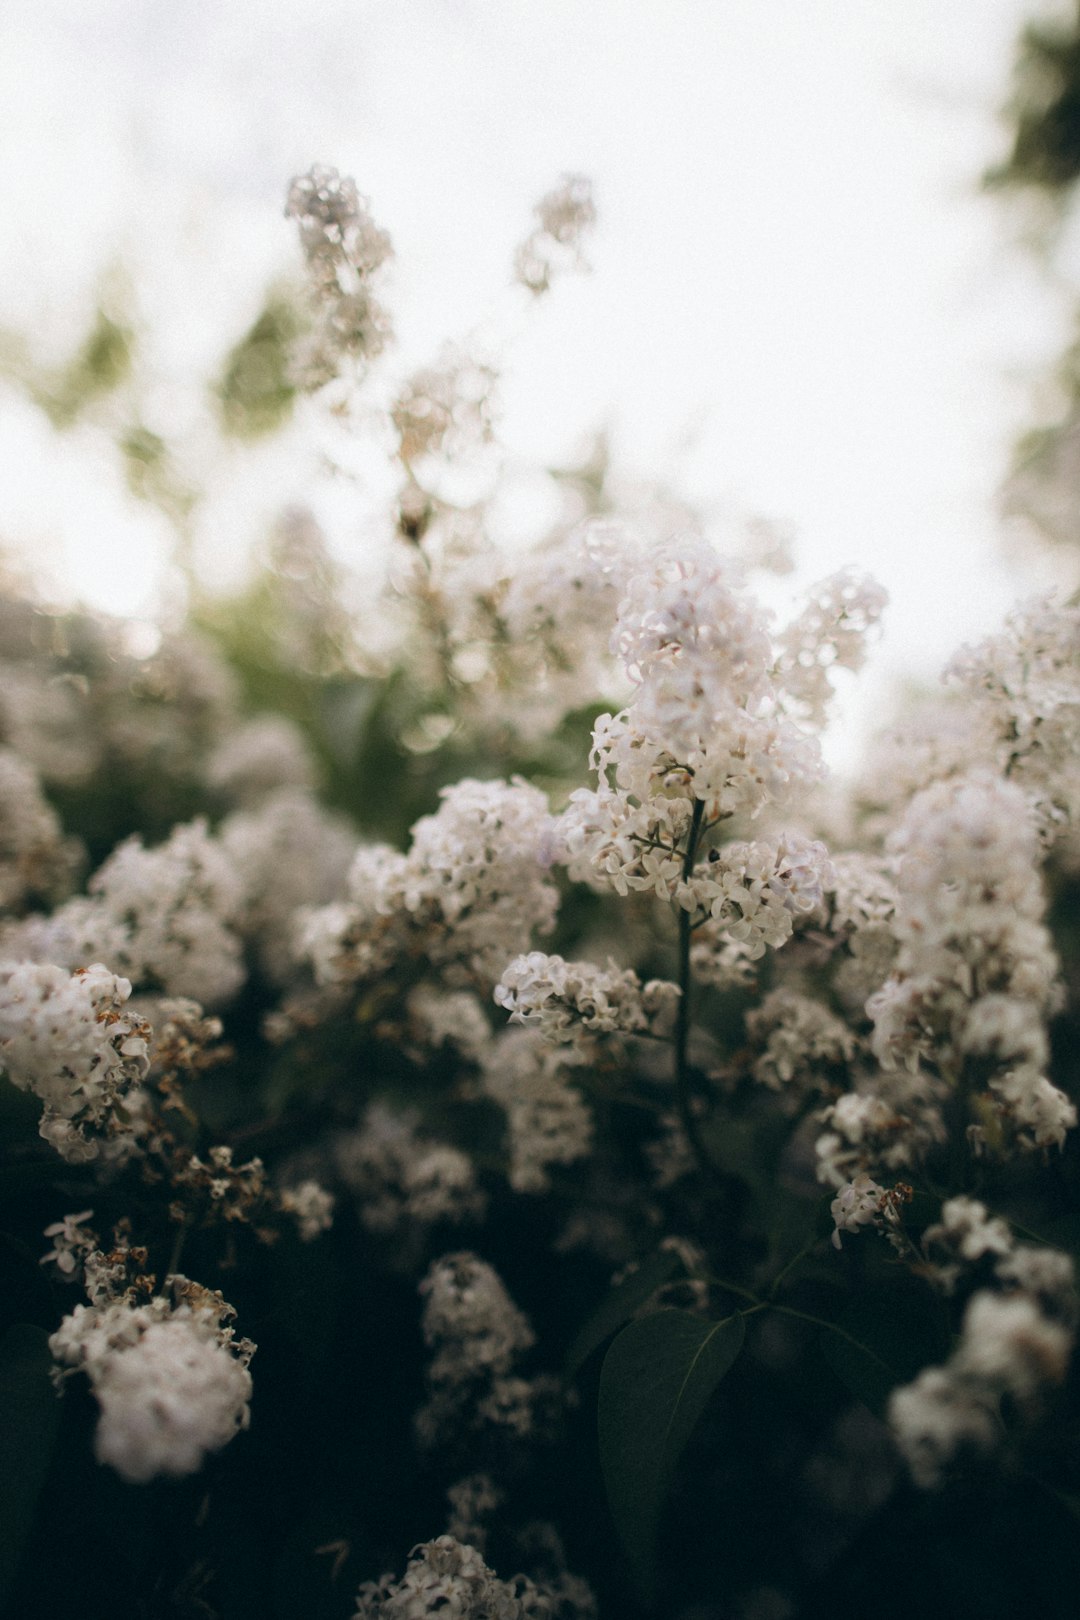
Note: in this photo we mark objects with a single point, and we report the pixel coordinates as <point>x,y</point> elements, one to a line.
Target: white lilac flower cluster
<point>400,1177</point>
<point>800,1040</point>
<point>566,1000</point>
<point>469,894</point>
<point>1024,686</point>
<point>286,852</point>
<point>310,1205</point>
<point>863,901</point>
<point>863,1203</point>
<point>67,1038</point>
<point>72,1243</point>
<point>554,616</point>
<point>707,736</point>
<point>884,1127</point>
<point>524,638</point>
<point>36,860</point>
<point>976,975</point>
<point>744,894</point>
<point>751,895</point>
<point>476,1332</point>
<point>472,1500</point>
<point>449,1578</point>
<point>563,218</point>
<point>705,710</point>
<point>1012,705</point>
<point>966,1234</point>
<point>444,409</point>
<point>163,917</point>
<point>76,703</point>
<point>455,1018</point>
<point>548,1121</point>
<point>171,1381</point>
<point>1015,1344</point>
<point>220,1189</point>
<point>470,1320</point>
<point>344,249</point>
<point>831,632</point>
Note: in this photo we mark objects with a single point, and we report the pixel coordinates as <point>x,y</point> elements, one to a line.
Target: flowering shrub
<point>647,1174</point>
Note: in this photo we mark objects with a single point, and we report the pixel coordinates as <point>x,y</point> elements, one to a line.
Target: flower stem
<point>682,1017</point>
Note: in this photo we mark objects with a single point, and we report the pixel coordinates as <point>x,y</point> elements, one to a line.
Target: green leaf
<point>29,1418</point>
<point>619,1305</point>
<point>656,1381</point>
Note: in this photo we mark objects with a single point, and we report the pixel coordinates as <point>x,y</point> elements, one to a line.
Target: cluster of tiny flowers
<point>1015,1343</point>
<point>66,1038</point>
<point>163,917</point>
<point>287,852</point>
<point>976,974</point>
<point>310,1205</point>
<point>966,1234</point>
<point>476,1332</point>
<point>862,893</point>
<point>223,1191</point>
<point>72,1243</point>
<point>750,894</point>
<point>801,1040</point>
<point>476,873</point>
<point>940,736</point>
<point>454,1018</point>
<point>162,713</point>
<point>885,1126</point>
<point>185,1043</point>
<point>444,409</point>
<point>705,716</point>
<point>563,999</point>
<point>36,860</point>
<point>449,1578</point>
<point>862,899</point>
<point>831,632</point>
<point>401,1178</point>
<point>863,1203</point>
<point>471,1319</point>
<point>1025,684</point>
<point>344,249</point>
<point>547,1119</point>
<point>170,1381</point>
<point>356,939</point>
<point>724,963</point>
<point>472,1500</point>
<point>564,216</point>
<point>606,841</point>
<point>472,889</point>
<point>555,613</point>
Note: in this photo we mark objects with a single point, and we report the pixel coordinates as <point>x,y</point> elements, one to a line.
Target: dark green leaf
<point>656,1381</point>
<point>618,1305</point>
<point>29,1417</point>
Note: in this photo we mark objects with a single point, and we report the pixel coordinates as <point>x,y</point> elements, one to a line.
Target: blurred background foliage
<point>1043,164</point>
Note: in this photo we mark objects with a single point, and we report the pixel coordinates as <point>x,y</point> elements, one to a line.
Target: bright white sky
<point>800,304</point>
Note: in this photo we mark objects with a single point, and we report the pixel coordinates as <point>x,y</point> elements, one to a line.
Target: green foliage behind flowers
<point>1045,109</point>
<point>255,391</point>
